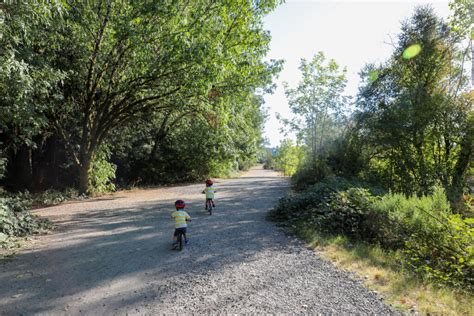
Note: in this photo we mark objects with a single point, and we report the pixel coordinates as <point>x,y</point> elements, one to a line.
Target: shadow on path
<point>102,259</point>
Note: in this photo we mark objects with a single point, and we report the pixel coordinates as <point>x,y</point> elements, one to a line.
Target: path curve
<point>112,256</point>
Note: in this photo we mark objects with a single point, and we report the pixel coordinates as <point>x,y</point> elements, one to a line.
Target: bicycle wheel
<point>209,208</point>
<point>180,241</point>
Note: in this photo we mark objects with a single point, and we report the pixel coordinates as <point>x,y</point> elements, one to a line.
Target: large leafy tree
<point>413,112</point>
<point>123,59</point>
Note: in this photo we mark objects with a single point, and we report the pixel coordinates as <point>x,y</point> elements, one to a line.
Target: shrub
<point>351,213</point>
<point>16,220</point>
<point>51,197</point>
<point>445,255</point>
<point>102,172</point>
<point>311,200</point>
<point>436,244</point>
<point>310,174</point>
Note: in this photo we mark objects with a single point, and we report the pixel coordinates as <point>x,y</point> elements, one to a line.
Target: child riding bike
<point>209,191</point>
<point>181,217</point>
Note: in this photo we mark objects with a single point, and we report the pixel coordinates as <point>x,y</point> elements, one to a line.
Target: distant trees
<point>320,108</point>
<point>287,157</point>
<point>92,68</point>
<point>318,103</point>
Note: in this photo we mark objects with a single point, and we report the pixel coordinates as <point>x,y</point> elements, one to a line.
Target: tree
<point>287,157</point>
<point>188,146</point>
<point>121,60</point>
<point>412,114</point>
<point>318,103</point>
<point>27,84</point>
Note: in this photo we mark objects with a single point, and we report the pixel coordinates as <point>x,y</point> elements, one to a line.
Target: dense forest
<point>98,93</point>
<point>392,168</point>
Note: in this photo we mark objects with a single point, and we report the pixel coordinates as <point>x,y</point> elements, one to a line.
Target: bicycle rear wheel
<point>180,241</point>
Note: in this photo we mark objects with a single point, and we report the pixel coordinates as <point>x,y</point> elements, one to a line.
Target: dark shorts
<point>178,231</point>
<point>209,200</point>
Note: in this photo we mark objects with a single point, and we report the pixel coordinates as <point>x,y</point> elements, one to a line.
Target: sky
<point>352,32</point>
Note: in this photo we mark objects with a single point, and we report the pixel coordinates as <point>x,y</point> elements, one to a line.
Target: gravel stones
<point>236,261</point>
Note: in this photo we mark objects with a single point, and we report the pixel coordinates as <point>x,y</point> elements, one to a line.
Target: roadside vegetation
<point>17,222</point>
<point>383,184</point>
<point>100,95</point>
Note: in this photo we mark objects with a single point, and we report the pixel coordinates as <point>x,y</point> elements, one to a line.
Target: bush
<point>309,175</point>
<point>311,200</point>
<point>51,197</point>
<point>436,244</point>
<point>16,220</point>
<point>102,172</point>
<point>246,164</point>
<point>268,163</point>
<point>351,213</point>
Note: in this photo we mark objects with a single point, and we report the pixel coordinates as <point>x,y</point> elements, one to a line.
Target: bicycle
<point>209,206</point>
<point>180,241</point>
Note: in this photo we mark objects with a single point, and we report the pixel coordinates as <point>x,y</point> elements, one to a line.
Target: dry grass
<point>382,272</point>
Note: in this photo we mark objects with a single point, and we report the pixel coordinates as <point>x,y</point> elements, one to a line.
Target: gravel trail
<point>112,256</point>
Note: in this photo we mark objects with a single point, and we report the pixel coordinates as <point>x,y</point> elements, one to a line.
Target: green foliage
<point>461,19</point>
<point>17,221</point>
<point>3,167</point>
<point>190,74</point>
<point>102,172</point>
<point>188,146</point>
<point>310,173</point>
<point>413,117</point>
<point>318,104</point>
<point>299,205</point>
<point>320,107</point>
<point>287,157</point>
<point>414,125</point>
<point>437,245</point>
<point>50,197</point>
<point>265,157</point>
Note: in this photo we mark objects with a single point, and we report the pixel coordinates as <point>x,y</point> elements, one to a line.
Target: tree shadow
<point>118,250</point>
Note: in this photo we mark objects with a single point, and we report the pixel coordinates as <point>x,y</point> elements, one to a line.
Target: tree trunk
<point>84,169</point>
<point>462,164</point>
<point>84,178</point>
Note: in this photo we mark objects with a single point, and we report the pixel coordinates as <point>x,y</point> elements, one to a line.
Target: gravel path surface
<point>112,256</point>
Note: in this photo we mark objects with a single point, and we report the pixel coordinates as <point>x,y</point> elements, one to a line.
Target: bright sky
<point>353,33</point>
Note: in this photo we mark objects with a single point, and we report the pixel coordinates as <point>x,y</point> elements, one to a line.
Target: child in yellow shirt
<point>181,217</point>
<point>209,191</point>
